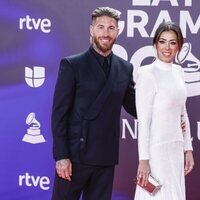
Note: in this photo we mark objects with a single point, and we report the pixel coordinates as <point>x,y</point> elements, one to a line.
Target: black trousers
<point>92,182</point>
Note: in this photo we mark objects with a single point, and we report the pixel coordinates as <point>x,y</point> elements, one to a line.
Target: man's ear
<point>117,32</point>
<point>91,30</point>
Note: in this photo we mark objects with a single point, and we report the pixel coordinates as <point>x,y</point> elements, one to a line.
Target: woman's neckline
<point>163,65</point>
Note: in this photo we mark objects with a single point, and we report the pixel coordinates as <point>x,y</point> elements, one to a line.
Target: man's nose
<point>106,31</point>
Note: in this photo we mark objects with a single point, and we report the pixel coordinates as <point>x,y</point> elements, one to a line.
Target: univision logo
<point>35,77</point>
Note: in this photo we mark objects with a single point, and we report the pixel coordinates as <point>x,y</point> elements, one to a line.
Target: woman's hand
<point>189,162</point>
<point>143,172</point>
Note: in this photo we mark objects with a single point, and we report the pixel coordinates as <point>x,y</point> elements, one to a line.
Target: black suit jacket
<point>90,137</point>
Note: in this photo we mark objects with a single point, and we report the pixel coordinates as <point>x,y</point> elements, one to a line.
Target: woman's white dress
<point>160,100</point>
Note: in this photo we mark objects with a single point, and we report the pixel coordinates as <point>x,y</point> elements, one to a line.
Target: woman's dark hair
<point>169,26</point>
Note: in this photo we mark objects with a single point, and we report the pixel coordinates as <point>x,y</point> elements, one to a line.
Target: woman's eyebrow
<point>169,40</point>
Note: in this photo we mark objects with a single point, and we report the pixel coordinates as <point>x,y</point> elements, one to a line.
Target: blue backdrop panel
<point>34,36</point>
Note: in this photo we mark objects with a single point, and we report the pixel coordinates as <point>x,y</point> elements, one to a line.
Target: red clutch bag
<point>152,186</point>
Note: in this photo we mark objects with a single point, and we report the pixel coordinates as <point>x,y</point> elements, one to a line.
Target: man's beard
<point>103,49</point>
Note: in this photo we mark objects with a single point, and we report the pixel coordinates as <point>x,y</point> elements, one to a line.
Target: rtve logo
<point>31,23</point>
<point>31,181</point>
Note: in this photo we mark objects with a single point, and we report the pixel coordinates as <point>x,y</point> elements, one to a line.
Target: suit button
<point>81,139</point>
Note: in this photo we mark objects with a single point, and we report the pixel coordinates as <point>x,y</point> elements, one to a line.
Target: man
<point>90,90</point>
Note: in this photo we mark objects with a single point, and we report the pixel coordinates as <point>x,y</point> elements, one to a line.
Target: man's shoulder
<point>121,59</point>
<point>76,57</point>
<point>122,62</point>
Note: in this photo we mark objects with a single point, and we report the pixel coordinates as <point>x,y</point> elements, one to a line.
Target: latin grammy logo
<point>33,135</point>
<point>186,54</point>
<point>191,66</point>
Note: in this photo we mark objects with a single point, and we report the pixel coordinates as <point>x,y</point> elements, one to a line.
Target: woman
<point>165,149</point>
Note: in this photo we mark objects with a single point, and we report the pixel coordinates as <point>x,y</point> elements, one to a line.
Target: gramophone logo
<point>191,66</point>
<point>35,77</point>
<point>33,135</point>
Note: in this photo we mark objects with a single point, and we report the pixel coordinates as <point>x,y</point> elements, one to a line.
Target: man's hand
<point>64,169</point>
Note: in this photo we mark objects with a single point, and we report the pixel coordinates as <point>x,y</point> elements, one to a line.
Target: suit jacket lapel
<point>96,106</point>
<point>96,67</point>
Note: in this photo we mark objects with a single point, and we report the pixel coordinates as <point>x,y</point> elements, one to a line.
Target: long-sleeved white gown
<point>160,100</point>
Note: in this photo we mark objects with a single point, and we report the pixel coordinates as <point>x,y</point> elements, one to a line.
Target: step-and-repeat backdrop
<point>34,35</point>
